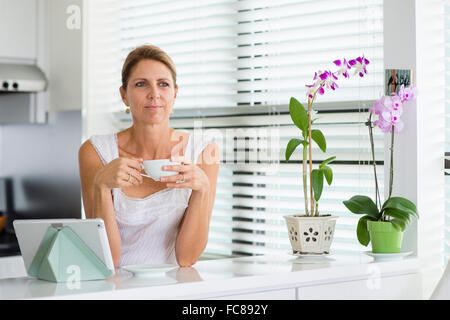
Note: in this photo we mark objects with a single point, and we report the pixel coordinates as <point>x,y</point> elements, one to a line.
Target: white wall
<point>400,53</point>
<point>430,138</point>
<point>413,39</point>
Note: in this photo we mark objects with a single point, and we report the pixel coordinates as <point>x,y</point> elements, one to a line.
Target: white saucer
<point>388,256</point>
<point>149,270</point>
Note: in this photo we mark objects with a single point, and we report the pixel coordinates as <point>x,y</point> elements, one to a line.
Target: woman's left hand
<point>190,176</point>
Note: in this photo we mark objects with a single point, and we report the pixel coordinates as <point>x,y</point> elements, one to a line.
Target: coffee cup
<point>154,168</point>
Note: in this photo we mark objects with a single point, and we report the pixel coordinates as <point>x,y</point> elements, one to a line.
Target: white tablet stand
<point>62,256</point>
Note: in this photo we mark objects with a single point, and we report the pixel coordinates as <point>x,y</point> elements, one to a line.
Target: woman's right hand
<point>120,172</point>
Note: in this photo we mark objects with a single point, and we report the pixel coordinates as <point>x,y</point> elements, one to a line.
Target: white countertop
<point>216,278</point>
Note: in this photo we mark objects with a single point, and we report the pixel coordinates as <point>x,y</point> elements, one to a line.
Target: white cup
<point>153,168</point>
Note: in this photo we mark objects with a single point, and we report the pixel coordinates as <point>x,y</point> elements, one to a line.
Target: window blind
<point>249,52</point>
<point>238,64</point>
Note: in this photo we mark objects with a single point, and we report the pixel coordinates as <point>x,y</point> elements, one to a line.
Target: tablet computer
<point>92,231</point>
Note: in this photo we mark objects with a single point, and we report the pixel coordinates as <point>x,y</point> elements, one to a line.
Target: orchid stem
<point>305,183</point>
<point>372,146</point>
<point>391,169</point>
<point>310,157</point>
<point>310,104</point>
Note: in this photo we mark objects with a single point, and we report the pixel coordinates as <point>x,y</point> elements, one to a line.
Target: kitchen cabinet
<point>49,34</point>
<point>65,53</point>
<point>285,294</point>
<point>18,25</point>
<point>404,287</point>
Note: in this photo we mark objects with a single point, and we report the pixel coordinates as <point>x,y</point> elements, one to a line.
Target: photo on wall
<point>394,78</point>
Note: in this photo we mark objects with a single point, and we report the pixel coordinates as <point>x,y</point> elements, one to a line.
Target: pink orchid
<point>379,106</point>
<point>390,108</point>
<point>386,125</point>
<point>396,102</point>
<point>407,94</point>
<point>393,118</point>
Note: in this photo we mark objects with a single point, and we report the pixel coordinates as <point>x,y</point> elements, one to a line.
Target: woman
<point>149,221</point>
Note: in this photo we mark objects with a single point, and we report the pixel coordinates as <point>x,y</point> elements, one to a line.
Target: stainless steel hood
<point>21,78</point>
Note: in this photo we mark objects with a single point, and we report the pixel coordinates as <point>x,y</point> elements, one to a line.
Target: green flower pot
<point>384,237</point>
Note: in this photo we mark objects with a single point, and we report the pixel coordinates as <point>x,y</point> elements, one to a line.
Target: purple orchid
<point>322,80</point>
<point>327,79</point>
<point>312,89</point>
<point>343,67</point>
<point>359,64</point>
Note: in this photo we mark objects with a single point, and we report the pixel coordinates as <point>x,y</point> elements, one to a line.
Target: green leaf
<point>319,138</point>
<point>298,115</point>
<point>317,182</point>
<point>362,205</point>
<point>291,146</point>
<point>327,161</point>
<point>361,230</point>
<point>397,214</point>
<point>399,225</point>
<point>401,204</point>
<point>328,173</point>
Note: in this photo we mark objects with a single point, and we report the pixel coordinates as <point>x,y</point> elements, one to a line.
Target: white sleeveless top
<point>148,227</point>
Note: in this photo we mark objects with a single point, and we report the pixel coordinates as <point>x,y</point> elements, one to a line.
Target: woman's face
<point>150,92</point>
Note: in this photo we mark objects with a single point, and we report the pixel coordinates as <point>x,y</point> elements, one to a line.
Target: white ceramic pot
<point>310,234</point>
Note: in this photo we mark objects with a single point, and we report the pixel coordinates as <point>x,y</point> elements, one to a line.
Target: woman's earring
<point>127,110</point>
<point>171,111</point>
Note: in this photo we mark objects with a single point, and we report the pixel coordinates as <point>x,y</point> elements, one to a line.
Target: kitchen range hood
<point>21,78</point>
<point>21,99</point>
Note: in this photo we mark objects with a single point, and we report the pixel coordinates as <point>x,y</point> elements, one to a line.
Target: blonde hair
<point>146,52</point>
